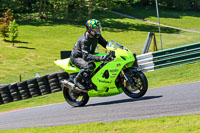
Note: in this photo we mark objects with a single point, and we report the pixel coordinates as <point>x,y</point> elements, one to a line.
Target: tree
<point>4,30</point>
<point>13,29</point>
<point>4,23</point>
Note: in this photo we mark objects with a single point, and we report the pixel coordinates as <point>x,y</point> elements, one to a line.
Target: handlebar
<point>110,57</point>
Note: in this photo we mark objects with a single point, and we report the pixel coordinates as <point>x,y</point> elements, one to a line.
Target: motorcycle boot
<point>78,79</point>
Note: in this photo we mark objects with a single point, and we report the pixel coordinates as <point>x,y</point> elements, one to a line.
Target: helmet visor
<point>97,30</point>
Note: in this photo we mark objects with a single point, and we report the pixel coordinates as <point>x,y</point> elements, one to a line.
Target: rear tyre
<point>75,99</point>
<point>137,85</point>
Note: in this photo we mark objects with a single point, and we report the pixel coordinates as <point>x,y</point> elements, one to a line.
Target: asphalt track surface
<point>158,102</point>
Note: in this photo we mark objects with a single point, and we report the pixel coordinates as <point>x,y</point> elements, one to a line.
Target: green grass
<point>41,42</point>
<point>174,75</point>
<point>178,124</point>
<point>188,20</point>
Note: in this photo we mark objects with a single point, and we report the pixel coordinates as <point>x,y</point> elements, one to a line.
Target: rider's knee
<point>91,67</point>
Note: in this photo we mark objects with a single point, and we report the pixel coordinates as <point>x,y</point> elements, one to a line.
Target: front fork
<point>122,72</point>
<point>135,69</point>
<point>125,78</point>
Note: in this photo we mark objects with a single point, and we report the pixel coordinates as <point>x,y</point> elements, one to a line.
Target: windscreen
<point>115,45</point>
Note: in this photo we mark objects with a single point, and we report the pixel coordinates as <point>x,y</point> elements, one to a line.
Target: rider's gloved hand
<point>105,57</point>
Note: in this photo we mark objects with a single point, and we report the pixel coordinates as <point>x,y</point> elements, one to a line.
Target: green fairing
<point>109,85</point>
<point>105,87</point>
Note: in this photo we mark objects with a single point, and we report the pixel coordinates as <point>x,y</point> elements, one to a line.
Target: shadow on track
<point>124,100</point>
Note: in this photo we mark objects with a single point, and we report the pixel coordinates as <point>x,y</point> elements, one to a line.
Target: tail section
<point>66,66</point>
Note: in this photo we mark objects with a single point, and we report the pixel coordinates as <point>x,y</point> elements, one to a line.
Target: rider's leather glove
<point>104,57</point>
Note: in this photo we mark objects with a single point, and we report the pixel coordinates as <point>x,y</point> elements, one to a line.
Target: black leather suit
<point>83,50</point>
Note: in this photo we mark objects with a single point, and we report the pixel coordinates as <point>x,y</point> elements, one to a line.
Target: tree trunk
<point>46,10</point>
<point>66,11</point>
<point>79,9</point>
<point>54,10</point>
<point>40,10</point>
<point>91,5</point>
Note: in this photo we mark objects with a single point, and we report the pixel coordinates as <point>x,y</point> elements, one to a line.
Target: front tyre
<point>137,84</point>
<point>74,98</point>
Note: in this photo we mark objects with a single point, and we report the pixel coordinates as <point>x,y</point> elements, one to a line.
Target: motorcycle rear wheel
<point>75,99</point>
<point>138,86</point>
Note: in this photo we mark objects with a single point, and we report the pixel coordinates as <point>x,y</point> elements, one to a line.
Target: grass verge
<point>176,124</point>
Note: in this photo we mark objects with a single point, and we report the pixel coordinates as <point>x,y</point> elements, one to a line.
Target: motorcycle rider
<point>84,48</point>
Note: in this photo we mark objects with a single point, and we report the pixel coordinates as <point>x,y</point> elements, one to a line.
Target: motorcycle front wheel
<point>137,84</point>
<point>74,98</point>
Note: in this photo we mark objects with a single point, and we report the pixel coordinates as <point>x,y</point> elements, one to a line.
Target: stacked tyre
<point>14,92</point>
<point>54,82</point>
<point>5,94</point>
<point>43,84</point>
<point>62,76</point>
<point>33,87</point>
<point>23,90</point>
<point>1,100</point>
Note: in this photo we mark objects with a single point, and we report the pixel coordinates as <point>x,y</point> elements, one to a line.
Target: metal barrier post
<point>148,42</point>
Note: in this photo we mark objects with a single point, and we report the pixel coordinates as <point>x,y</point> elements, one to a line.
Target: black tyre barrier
<point>16,96</point>
<point>5,94</point>
<point>23,83</point>
<point>51,76</point>
<point>1,100</point>
<point>54,82</point>
<point>43,84</point>
<point>55,88</point>
<point>14,92</point>
<point>23,90</point>
<point>42,79</point>
<point>32,81</point>
<point>62,75</point>
<point>33,87</point>
<point>13,88</point>
<point>45,89</point>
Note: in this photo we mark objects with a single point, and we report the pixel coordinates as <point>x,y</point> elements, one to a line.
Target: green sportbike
<point>119,73</point>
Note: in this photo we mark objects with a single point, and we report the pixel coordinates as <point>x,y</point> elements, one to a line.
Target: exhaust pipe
<point>68,84</point>
<point>72,86</point>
